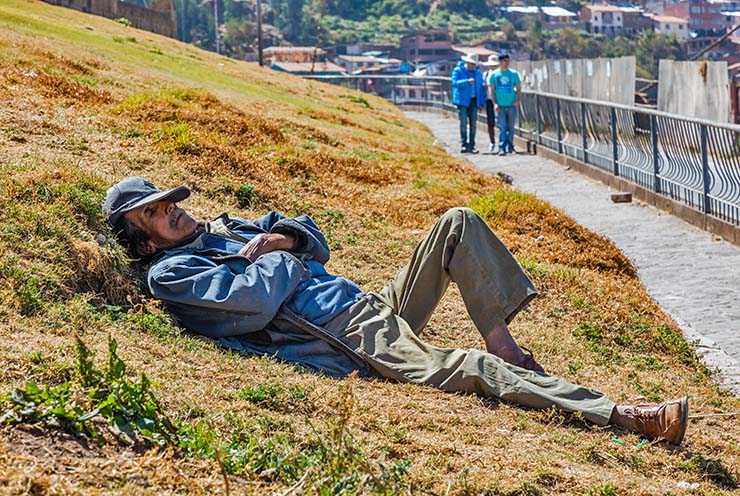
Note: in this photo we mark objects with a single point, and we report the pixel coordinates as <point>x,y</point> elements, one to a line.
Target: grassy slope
<point>85,101</point>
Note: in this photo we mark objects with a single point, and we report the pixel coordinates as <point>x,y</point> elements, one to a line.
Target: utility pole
<point>260,56</point>
<point>218,30</point>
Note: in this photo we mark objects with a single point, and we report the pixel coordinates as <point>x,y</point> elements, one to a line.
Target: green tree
<point>652,47</point>
<point>535,39</point>
<point>288,16</point>
<point>239,38</point>
<point>509,31</point>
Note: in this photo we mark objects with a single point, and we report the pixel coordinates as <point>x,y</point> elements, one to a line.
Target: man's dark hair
<point>130,236</point>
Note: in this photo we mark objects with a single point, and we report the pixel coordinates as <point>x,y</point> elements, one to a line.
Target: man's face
<point>504,63</point>
<point>165,224</point>
<point>470,66</point>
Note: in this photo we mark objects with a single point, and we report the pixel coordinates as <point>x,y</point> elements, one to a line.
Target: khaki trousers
<point>385,328</point>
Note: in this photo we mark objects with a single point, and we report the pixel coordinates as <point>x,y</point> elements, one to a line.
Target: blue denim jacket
<point>275,305</point>
<point>462,90</point>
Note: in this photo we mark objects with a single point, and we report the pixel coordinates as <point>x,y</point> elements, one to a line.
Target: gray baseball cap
<point>135,192</point>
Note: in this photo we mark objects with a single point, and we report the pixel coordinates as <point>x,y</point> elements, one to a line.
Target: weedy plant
<point>98,403</point>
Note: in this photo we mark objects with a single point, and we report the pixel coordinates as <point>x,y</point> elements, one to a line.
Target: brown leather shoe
<point>667,420</point>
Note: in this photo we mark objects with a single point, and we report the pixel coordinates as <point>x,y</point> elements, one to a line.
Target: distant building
<point>160,18</point>
<point>670,25</point>
<point>481,50</point>
<point>308,68</point>
<point>635,21</point>
<point>363,48</point>
<point>712,16</point>
<point>422,47</point>
<point>360,64</point>
<point>603,19</point>
<point>295,54</point>
<point>551,16</point>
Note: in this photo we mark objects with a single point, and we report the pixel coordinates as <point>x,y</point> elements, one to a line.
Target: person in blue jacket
<point>261,287</point>
<point>469,97</point>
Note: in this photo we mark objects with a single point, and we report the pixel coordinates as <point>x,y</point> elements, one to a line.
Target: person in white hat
<point>491,65</point>
<point>469,97</point>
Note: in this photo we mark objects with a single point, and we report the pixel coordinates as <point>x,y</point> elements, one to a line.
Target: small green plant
<point>129,408</point>
<point>179,138</point>
<point>713,470</point>
<point>654,391</point>
<point>330,220</point>
<point>123,21</point>
<point>589,332</point>
<point>603,490</point>
<point>357,99</point>
<point>531,265</point>
<point>672,342</point>
<point>276,397</point>
<point>128,133</point>
<point>246,196</point>
<point>423,182</point>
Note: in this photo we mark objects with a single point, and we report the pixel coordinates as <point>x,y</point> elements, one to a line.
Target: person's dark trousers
<point>491,121</point>
<point>468,117</point>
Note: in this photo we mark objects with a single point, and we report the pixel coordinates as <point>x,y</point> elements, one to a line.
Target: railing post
<point>584,132</point>
<point>705,168</point>
<point>393,90</point>
<point>538,120</point>
<point>558,126</point>
<point>656,157</point>
<point>426,95</point>
<point>615,146</point>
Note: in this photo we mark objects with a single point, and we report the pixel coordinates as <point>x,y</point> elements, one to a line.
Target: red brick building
<point>426,46</point>
<point>705,15</point>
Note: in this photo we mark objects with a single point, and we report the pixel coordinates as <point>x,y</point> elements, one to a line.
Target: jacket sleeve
<point>458,79</point>
<point>309,238</point>
<point>256,290</point>
<point>480,89</point>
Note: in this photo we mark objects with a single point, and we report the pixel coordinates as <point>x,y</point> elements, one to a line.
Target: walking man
<point>469,97</point>
<point>505,87</point>
<point>491,64</point>
<point>261,287</point>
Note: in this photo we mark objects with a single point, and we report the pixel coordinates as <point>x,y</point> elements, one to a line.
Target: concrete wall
<point>611,80</point>
<point>161,18</point>
<point>695,89</point>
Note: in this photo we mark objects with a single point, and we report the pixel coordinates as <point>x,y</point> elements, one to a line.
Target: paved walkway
<point>694,277</point>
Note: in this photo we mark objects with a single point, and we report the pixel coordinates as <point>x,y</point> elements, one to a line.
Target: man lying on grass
<point>261,287</point>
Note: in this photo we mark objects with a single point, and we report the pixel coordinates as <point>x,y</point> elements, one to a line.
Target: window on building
<point>596,18</point>
<point>412,93</point>
<point>667,27</point>
<point>680,26</point>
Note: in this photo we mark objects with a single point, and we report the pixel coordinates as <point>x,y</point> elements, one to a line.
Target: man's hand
<point>265,243</point>
<point>516,103</point>
<point>497,108</point>
<point>471,81</point>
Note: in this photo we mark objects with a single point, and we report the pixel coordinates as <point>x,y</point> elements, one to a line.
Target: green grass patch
<point>179,138</point>
<point>709,469</point>
<point>279,398</point>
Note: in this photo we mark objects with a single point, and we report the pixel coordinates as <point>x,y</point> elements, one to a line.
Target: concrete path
<point>694,277</point>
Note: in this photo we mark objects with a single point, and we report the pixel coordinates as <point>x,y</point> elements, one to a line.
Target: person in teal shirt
<point>505,87</point>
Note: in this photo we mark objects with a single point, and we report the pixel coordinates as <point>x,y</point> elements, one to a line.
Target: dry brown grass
<point>375,183</point>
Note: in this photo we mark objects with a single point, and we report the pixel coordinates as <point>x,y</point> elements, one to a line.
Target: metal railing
<point>692,161</point>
